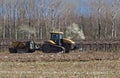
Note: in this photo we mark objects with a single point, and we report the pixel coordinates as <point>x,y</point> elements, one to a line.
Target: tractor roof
<point>54,32</point>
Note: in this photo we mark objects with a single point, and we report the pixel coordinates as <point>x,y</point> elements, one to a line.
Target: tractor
<point>55,44</point>
<point>58,44</point>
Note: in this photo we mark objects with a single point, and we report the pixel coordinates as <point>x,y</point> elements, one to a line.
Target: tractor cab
<point>56,37</point>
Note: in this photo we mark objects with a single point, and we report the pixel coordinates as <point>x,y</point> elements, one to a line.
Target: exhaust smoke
<point>73,31</point>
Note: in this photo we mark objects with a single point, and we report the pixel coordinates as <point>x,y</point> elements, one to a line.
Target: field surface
<point>72,65</point>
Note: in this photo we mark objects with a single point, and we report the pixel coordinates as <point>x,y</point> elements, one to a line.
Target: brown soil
<point>73,56</point>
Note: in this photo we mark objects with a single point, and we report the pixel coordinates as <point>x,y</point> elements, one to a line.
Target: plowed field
<point>65,57</point>
<point>56,65</point>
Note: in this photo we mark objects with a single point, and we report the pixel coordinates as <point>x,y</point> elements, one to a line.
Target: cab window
<point>54,36</point>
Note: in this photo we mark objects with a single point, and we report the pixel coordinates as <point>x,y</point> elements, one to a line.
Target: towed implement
<point>23,47</point>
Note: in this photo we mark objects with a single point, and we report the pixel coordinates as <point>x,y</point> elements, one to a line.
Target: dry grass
<point>73,65</point>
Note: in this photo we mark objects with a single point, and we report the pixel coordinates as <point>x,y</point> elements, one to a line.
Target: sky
<point>82,5</point>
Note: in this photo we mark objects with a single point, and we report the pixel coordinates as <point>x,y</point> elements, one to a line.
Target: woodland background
<point>25,19</point>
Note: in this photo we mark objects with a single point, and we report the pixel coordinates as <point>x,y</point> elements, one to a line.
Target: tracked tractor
<point>58,44</point>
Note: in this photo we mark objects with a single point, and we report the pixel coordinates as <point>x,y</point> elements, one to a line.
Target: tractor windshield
<point>56,36</point>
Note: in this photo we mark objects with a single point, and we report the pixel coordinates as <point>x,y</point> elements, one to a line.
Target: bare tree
<point>115,13</point>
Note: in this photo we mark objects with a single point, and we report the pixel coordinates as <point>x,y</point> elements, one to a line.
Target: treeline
<point>26,19</point>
